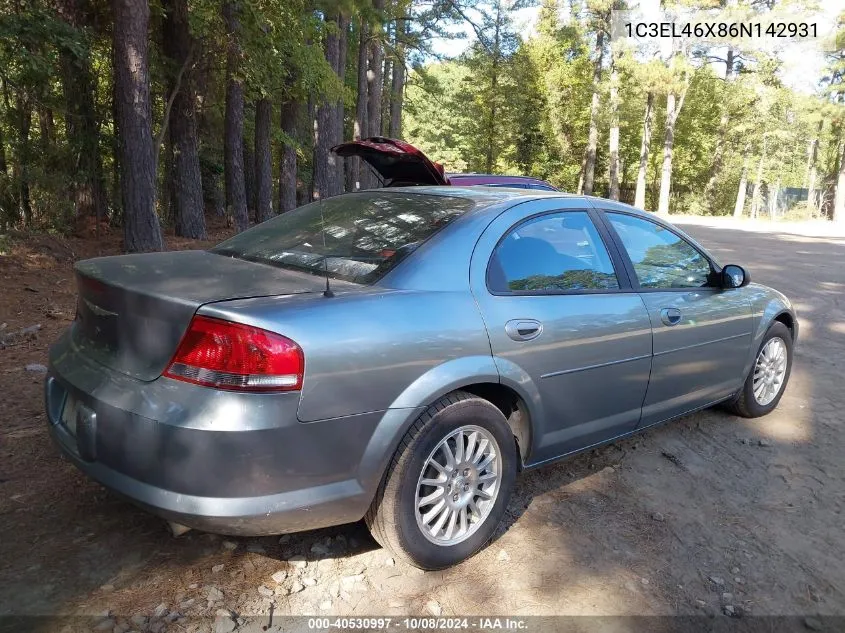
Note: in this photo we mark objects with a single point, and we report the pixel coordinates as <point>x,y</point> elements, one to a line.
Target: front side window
<point>555,252</point>
<point>661,258</point>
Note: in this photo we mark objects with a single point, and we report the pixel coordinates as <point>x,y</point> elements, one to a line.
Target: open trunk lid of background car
<point>397,162</point>
<point>134,309</point>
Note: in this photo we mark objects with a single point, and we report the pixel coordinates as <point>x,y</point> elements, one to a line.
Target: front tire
<point>448,484</point>
<point>766,382</point>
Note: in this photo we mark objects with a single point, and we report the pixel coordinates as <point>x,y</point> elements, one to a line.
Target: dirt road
<point>702,514</point>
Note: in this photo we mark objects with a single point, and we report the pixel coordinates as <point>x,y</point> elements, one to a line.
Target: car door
<point>565,326</point>
<point>702,332</point>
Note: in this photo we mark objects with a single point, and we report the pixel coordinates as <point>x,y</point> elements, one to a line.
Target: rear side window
<point>661,258</point>
<point>357,237</point>
<point>554,252</point>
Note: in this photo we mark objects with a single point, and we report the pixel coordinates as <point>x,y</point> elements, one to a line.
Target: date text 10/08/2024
<point>721,29</point>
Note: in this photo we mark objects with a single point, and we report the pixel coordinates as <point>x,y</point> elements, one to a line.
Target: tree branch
<point>478,32</point>
<point>177,85</point>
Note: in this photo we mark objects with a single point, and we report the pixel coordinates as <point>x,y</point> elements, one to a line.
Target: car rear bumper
<point>239,464</point>
<point>306,509</point>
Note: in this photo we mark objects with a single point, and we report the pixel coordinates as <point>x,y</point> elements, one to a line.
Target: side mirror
<point>734,276</point>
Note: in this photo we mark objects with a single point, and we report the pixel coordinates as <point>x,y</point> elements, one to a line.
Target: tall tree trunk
<point>249,174</point>
<point>739,206</point>
<point>81,126</point>
<point>325,167</point>
<point>839,197</point>
<point>812,154</point>
<point>214,199</point>
<point>674,103</point>
<point>263,161</point>
<point>290,111</point>
<point>812,173</point>
<point>613,176</point>
<point>397,83</point>
<point>758,182</point>
<point>23,110</point>
<point>141,228</point>
<point>721,135</point>
<point>3,168</point>
<point>492,133</point>
<point>46,126</point>
<point>7,207</point>
<point>398,88</point>
<point>167,185</point>
<point>305,190</point>
<point>716,163</point>
<point>652,192</point>
<point>233,139</point>
<point>645,142</point>
<point>179,45</point>
<point>339,127</point>
<point>386,94</point>
<point>773,200</point>
<point>211,172</point>
<point>249,171</point>
<point>116,196</point>
<point>358,168</point>
<point>810,148</point>
<point>374,80</point>
<point>588,165</point>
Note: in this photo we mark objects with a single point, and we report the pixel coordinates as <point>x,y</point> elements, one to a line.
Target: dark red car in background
<point>400,164</point>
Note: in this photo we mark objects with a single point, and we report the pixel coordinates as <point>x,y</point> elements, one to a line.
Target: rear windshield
<point>365,234</point>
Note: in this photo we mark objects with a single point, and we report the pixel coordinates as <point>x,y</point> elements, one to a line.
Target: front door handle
<point>523,329</point>
<point>670,316</point>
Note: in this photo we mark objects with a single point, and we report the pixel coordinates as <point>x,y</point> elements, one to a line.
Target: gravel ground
<point>709,514</point>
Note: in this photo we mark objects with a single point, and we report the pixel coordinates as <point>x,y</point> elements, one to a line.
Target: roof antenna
<point>327,293</point>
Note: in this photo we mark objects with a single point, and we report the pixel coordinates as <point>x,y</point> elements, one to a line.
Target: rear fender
<point>427,389</point>
<point>411,403</point>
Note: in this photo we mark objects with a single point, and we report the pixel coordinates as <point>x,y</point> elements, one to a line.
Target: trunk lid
<point>133,310</point>
<point>397,162</point>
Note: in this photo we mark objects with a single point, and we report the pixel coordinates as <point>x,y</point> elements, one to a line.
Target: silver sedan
<point>398,355</point>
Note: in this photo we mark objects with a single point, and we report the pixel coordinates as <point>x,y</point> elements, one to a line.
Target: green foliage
<point>543,122</point>
<point>30,41</point>
<point>541,104</point>
<point>507,105</point>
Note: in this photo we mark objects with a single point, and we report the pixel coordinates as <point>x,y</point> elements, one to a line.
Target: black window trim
<point>619,268</point>
<point>715,269</point>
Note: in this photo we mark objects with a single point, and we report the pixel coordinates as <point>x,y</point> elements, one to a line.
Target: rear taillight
<point>237,357</point>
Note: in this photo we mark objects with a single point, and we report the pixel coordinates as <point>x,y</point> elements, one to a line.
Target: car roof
<point>468,176</point>
<point>497,180</point>
<point>479,193</point>
<point>496,199</point>
<point>487,197</point>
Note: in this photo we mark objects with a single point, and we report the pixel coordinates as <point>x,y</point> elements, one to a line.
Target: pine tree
<point>134,118</point>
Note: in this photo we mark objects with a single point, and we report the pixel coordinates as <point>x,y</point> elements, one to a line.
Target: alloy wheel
<point>769,371</point>
<point>458,485</point>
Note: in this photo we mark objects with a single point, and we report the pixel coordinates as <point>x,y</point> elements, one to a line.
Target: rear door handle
<point>670,316</point>
<point>523,329</point>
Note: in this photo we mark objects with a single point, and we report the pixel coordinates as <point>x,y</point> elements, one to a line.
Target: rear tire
<point>749,405</point>
<point>414,530</point>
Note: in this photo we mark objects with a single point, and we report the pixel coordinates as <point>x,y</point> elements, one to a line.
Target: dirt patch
<point>705,513</point>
